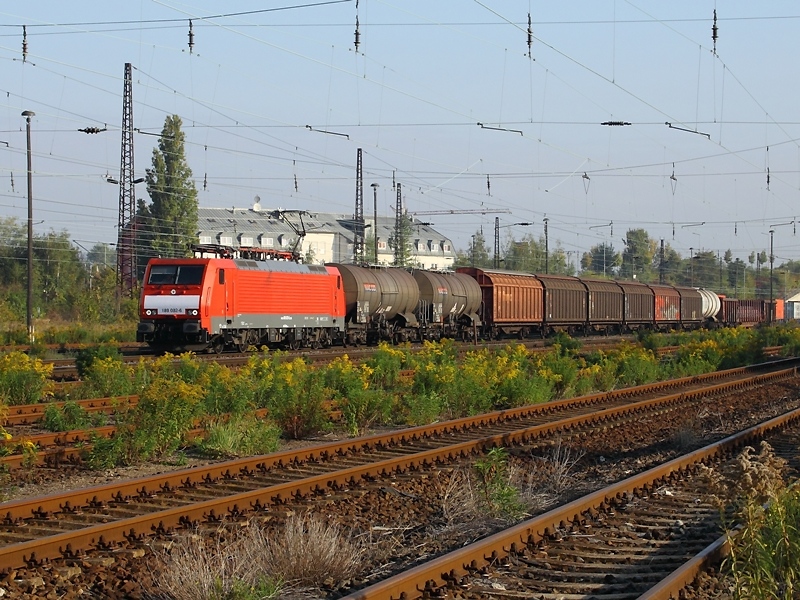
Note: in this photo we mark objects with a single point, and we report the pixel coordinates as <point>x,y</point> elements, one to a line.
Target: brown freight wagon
<point>728,311</point>
<point>606,302</point>
<point>512,303</point>
<point>751,312</point>
<point>691,307</point>
<point>667,305</point>
<point>639,305</point>
<point>565,303</point>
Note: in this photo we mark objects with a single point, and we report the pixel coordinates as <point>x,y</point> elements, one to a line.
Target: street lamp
<point>497,228</point>
<point>29,314</point>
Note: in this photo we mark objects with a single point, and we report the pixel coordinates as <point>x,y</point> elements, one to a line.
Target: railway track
<point>64,370</point>
<point>645,537</point>
<point>67,447</point>
<point>123,514</point>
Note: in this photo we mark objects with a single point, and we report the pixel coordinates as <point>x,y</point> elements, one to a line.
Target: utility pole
<point>546,248</point>
<point>661,264</point>
<point>375,187</point>
<point>29,308</point>
<point>399,238</point>
<point>497,242</point>
<point>771,296</point>
<point>358,238</point>
<point>127,275</point>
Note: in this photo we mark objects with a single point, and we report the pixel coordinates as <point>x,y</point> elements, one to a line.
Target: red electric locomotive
<point>217,303</point>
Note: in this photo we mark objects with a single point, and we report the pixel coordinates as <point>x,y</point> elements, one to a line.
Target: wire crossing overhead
<point>479,211</point>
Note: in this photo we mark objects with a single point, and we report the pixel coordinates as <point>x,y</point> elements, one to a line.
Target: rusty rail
<point>104,535</point>
<point>430,577</point>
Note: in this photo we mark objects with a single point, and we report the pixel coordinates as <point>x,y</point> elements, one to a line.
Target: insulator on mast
<point>24,43</point>
<point>714,32</point>
<point>530,36</point>
<point>191,37</point>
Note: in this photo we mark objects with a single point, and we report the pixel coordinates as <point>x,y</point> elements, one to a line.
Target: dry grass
<point>545,478</point>
<point>255,563</point>
<point>311,552</point>
<point>205,567</point>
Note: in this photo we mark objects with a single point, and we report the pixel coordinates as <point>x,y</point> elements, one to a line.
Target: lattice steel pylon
<point>126,226</point>
<point>358,238</point>
<point>399,238</point>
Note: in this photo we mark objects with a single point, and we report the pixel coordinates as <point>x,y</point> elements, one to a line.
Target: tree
<point>526,255</point>
<point>601,259</point>
<point>670,265</point>
<point>401,244</point>
<point>169,224</point>
<point>637,258</point>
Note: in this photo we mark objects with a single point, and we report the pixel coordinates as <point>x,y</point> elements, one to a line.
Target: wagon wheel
<point>217,344</point>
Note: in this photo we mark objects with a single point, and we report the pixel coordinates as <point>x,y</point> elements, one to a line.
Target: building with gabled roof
<point>328,238</point>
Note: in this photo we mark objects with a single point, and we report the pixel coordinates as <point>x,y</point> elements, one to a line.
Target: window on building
<point>434,265</point>
<point>267,242</point>
<point>381,245</point>
<point>245,240</point>
<point>434,246</point>
<point>226,240</point>
<point>446,247</point>
<point>206,239</point>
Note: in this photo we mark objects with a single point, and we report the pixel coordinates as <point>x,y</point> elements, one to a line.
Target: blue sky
<point>265,81</point>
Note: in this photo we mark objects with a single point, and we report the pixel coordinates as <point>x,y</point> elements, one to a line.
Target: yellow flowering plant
<point>24,380</point>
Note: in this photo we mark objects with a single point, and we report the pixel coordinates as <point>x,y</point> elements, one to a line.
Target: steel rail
<point>27,414</point>
<point>449,567</point>
<point>66,454</point>
<point>102,535</point>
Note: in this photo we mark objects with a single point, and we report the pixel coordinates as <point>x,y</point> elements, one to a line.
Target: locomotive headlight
<point>193,312</point>
<point>148,312</point>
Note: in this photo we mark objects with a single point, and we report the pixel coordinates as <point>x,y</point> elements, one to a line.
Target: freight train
<point>232,303</point>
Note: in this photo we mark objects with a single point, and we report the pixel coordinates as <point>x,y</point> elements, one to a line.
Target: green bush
<point>23,380</point>
<point>421,409</point>
<point>501,498</point>
<point>106,377</point>
<point>69,417</point>
<point>156,426</point>
<point>241,436</point>
<point>225,391</point>
<point>87,356</point>
<point>298,399</point>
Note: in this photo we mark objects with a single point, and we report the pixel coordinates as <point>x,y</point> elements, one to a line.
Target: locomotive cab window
<point>176,275</point>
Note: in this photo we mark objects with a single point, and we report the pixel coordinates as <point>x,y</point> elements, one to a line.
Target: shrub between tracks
<point>300,397</point>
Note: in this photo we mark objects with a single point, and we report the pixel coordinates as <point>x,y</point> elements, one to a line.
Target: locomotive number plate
<point>170,311</point>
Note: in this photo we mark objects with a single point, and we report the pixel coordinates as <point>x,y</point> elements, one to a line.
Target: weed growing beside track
<point>394,387</point>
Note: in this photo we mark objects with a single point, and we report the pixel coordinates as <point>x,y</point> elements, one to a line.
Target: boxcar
<point>667,307</point>
<point>565,303</point>
<point>751,312</point>
<point>691,307</point>
<point>512,303</point>
<point>639,305</point>
<point>606,304</point>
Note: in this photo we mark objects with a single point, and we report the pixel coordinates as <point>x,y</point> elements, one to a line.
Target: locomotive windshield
<point>176,275</point>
